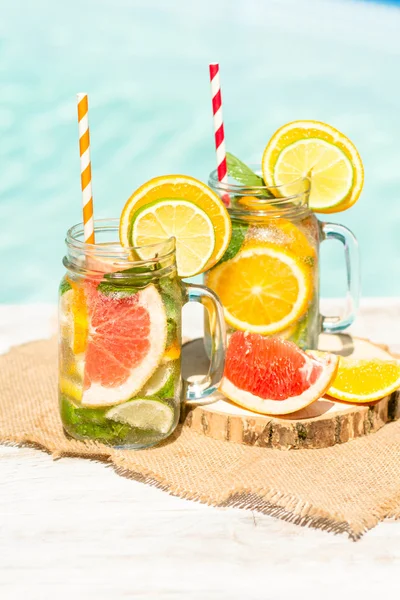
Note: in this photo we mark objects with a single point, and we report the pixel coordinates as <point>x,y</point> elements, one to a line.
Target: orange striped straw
<point>86,170</point>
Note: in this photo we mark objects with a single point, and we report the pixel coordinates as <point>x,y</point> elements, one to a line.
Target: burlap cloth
<point>345,488</point>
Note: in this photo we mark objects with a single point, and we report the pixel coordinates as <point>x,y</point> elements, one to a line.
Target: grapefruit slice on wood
<point>126,341</point>
<point>273,376</point>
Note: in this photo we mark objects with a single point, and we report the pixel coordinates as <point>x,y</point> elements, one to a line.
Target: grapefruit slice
<point>273,376</point>
<point>126,342</point>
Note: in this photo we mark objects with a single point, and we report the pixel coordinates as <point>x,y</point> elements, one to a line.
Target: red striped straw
<point>219,128</point>
<point>86,170</point>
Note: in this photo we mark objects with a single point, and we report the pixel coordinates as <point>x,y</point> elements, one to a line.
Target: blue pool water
<point>144,64</point>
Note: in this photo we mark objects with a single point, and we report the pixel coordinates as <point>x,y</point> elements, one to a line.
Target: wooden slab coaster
<point>324,423</point>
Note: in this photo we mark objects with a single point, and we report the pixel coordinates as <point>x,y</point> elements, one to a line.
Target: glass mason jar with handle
<point>268,280</point>
<point>120,380</point>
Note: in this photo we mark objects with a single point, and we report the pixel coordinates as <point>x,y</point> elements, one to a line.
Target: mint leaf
<point>241,172</point>
<point>172,310</point>
<point>172,332</point>
<point>109,289</point>
<point>127,282</point>
<point>244,175</point>
<point>65,286</point>
<point>132,271</point>
<point>239,231</point>
<point>91,423</point>
<point>168,391</point>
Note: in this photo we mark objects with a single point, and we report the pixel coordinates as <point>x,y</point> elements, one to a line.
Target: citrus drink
<point>120,346</point>
<point>268,278</point>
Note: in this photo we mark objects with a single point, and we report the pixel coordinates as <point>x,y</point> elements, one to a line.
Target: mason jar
<point>120,377</point>
<point>269,278</point>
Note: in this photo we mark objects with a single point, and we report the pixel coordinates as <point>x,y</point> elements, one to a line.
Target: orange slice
<point>359,381</point>
<point>285,234</point>
<point>321,152</point>
<point>183,188</point>
<point>173,352</point>
<point>263,289</point>
<point>75,319</point>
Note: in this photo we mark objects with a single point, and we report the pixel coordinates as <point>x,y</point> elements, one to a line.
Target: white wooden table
<point>72,528</point>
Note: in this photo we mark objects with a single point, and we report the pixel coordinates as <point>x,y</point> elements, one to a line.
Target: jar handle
<point>197,392</point>
<point>334,231</point>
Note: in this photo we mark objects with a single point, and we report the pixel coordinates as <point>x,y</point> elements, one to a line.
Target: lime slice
<point>91,423</point>
<point>161,384</point>
<point>144,413</point>
<point>179,187</point>
<point>187,223</point>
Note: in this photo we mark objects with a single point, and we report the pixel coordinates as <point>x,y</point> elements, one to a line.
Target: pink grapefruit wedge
<point>126,341</point>
<point>272,376</point>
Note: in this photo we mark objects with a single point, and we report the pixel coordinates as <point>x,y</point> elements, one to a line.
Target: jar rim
<point>241,189</point>
<point>290,197</point>
<point>154,252</point>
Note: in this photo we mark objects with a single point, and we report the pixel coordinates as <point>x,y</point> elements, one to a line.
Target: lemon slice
<point>263,289</point>
<point>74,322</point>
<point>183,220</point>
<point>359,381</point>
<point>321,152</point>
<point>184,189</point>
<point>70,388</point>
